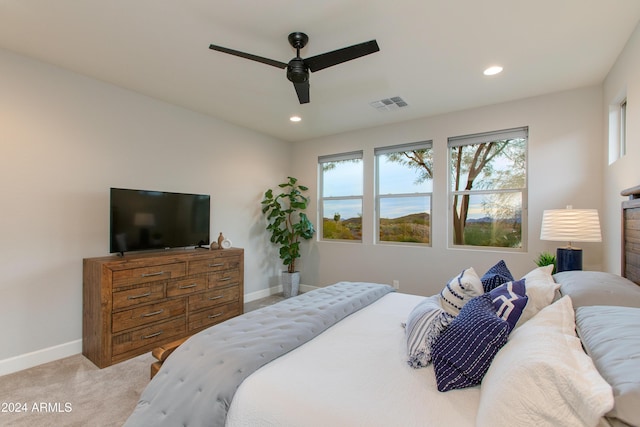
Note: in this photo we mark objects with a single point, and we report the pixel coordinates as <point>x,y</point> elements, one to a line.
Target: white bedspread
<point>354,374</point>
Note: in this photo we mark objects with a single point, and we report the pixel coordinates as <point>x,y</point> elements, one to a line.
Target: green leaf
<point>287,222</point>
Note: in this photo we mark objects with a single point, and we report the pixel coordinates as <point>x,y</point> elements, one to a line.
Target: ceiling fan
<point>298,68</point>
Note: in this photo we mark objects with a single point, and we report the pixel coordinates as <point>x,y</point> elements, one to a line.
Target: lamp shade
<point>571,225</point>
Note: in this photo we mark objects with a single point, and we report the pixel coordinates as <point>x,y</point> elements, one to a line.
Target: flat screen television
<point>146,220</point>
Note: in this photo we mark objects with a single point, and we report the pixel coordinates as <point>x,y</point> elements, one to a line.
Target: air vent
<point>389,104</point>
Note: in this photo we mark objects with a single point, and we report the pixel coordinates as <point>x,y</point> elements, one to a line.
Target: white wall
<point>624,78</point>
<point>564,168</point>
<point>64,140</point>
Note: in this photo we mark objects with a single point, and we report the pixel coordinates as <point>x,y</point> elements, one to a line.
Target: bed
<point>489,350</point>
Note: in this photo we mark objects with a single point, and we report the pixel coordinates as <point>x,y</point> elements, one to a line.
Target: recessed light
<point>295,118</point>
<point>493,70</point>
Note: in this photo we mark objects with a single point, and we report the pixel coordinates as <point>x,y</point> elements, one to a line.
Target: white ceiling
<point>432,53</point>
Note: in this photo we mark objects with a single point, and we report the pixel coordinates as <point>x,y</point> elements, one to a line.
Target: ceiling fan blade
<point>302,89</point>
<point>339,56</point>
<point>267,61</point>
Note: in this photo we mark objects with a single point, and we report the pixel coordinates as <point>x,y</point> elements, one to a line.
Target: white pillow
<point>542,377</point>
<point>460,290</point>
<point>541,290</point>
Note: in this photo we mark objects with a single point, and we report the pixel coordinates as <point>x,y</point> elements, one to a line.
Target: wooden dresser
<point>136,302</point>
<point>631,234</point>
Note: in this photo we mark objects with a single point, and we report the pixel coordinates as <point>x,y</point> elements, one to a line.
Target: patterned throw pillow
<point>460,290</point>
<point>426,322</point>
<point>496,276</point>
<point>509,301</point>
<point>464,351</point>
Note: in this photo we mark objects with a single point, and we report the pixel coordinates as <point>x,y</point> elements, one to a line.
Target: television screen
<point>145,220</point>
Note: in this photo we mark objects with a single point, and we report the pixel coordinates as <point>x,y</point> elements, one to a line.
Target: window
<point>404,183</point>
<point>488,188</point>
<point>617,128</point>
<point>341,178</point>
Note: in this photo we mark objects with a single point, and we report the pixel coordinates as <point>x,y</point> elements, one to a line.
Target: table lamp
<point>571,225</point>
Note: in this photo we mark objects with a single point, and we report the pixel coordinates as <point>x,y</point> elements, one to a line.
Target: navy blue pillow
<point>509,300</point>
<point>463,353</point>
<point>496,276</point>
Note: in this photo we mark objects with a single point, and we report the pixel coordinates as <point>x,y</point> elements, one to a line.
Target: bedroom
<point>67,138</point>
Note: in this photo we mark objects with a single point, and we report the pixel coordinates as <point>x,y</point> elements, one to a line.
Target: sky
<point>396,179</point>
<point>346,180</point>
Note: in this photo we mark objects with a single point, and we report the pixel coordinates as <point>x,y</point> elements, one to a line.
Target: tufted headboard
<point>631,234</point>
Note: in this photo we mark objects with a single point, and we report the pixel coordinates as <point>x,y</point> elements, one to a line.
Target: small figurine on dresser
<point>222,243</point>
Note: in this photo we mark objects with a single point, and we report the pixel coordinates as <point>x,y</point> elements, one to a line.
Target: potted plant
<point>287,224</point>
<point>546,258</point>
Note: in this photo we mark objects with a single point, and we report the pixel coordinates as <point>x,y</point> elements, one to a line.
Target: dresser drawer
<point>213,315</point>
<point>223,278</point>
<point>214,263</point>
<point>213,298</point>
<point>148,336</point>
<point>147,314</point>
<point>186,286</point>
<point>133,276</point>
<point>138,295</point>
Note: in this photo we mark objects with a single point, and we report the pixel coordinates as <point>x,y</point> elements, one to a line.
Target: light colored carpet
<point>73,392</point>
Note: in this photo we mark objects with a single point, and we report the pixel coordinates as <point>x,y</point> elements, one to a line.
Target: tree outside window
<point>488,188</point>
<point>341,183</point>
<point>404,186</point>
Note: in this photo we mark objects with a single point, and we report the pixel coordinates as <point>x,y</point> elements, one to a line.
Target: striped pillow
<point>460,290</point>
<point>426,321</point>
<point>464,351</point>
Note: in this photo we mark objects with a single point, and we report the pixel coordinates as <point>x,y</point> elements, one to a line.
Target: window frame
<point>623,128</point>
<point>520,132</point>
<point>352,155</point>
<point>378,153</point>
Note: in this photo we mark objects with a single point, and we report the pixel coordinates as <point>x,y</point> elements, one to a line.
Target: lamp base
<point>568,259</point>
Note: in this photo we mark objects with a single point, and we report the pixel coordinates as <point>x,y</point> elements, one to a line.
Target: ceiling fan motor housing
<point>297,71</point>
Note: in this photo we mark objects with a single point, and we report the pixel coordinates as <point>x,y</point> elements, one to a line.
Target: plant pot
<point>290,283</point>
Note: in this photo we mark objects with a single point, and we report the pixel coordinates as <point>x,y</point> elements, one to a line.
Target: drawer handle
<point>225,279</point>
<point>215,298</point>
<point>152,335</point>
<point>217,265</point>
<point>139,296</point>
<point>193,285</point>
<point>213,316</point>
<point>157,273</point>
<point>155,313</point>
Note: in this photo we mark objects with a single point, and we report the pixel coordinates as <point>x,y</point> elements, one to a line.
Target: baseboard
<point>273,291</point>
<point>35,358</point>
<point>46,355</point>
